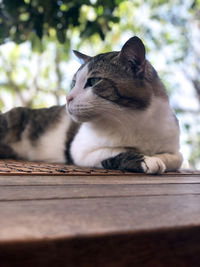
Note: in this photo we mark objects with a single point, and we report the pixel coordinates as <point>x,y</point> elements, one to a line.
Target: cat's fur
<point>119,118</point>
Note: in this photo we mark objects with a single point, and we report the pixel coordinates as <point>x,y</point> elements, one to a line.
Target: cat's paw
<point>153,165</point>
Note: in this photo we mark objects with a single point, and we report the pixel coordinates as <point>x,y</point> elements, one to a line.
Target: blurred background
<point>37,63</point>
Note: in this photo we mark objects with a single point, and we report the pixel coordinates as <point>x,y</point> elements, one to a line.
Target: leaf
<point>61,35</point>
<point>36,43</point>
<point>38,25</point>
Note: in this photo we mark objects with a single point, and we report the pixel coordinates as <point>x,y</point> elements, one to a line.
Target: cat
<point>117,116</point>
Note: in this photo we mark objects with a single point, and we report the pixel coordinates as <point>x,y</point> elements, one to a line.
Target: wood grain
<point>39,219</point>
<point>109,179</point>
<point>88,220</point>
<point>29,192</point>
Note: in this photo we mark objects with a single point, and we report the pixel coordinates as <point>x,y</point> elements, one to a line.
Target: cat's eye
<point>73,83</point>
<point>91,82</point>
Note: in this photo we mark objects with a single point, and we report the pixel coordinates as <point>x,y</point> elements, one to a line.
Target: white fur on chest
<point>50,147</point>
<point>152,131</point>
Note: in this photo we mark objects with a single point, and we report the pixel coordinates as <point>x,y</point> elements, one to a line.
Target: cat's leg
<point>170,162</point>
<point>136,162</point>
<point>129,160</point>
<point>126,161</point>
<point>95,157</point>
<point>111,158</point>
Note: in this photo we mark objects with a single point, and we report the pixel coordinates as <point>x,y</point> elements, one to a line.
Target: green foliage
<point>32,79</point>
<point>23,20</point>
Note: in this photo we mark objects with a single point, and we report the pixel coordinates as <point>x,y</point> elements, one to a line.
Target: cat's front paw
<point>153,165</point>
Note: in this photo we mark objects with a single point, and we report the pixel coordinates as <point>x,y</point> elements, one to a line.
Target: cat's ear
<point>133,53</point>
<point>81,57</point>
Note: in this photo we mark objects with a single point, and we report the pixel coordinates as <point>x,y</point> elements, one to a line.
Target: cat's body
<point>39,134</point>
<point>121,119</point>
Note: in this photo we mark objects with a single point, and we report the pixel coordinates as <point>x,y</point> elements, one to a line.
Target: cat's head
<point>112,81</point>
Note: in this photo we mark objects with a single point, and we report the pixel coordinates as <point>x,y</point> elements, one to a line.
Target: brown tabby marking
<point>120,83</point>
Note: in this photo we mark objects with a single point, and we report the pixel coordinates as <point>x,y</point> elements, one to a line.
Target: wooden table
<point>100,220</point>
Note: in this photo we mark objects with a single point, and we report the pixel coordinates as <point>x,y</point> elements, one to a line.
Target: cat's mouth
<point>70,112</point>
<point>80,114</point>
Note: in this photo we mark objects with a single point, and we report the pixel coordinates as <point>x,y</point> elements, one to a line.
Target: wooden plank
<point>47,219</point>
<point>153,249</point>
<point>178,247</point>
<point>138,220</point>
<point>65,180</point>
<point>11,193</point>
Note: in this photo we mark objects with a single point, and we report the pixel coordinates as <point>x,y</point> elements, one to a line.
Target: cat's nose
<point>69,99</point>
